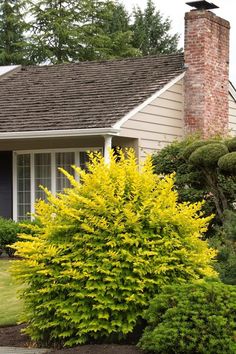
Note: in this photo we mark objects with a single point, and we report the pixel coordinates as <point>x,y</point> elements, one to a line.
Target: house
<point>50,116</point>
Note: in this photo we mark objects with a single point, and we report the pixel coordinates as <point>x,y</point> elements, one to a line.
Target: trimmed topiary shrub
<point>103,249</point>
<point>192,319</point>
<point>8,234</point>
<point>190,148</point>
<point>227,163</point>
<point>208,155</point>
<point>217,186</point>
<point>190,182</point>
<point>231,144</point>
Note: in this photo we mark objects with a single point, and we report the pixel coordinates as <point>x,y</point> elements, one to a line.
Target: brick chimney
<point>206,80</point>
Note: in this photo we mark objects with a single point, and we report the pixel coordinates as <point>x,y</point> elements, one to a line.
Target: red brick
<point>206,79</point>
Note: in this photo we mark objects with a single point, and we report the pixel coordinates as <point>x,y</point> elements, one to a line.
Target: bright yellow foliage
<point>104,247</point>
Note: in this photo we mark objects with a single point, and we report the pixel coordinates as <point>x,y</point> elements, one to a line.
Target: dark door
<point>6,184</point>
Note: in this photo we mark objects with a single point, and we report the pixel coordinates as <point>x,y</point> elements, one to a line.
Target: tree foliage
<point>103,248</point>
<point>151,32</point>
<point>61,31</point>
<point>70,30</point>
<point>13,47</point>
<point>54,33</point>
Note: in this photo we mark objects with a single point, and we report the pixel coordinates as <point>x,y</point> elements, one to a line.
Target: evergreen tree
<point>70,30</point>
<point>151,32</point>
<point>117,28</point>
<point>54,33</point>
<point>12,26</point>
<point>105,32</point>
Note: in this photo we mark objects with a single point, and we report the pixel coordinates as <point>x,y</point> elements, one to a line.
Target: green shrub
<point>190,148</point>
<point>231,144</point>
<point>224,240</point>
<point>192,319</point>
<point>208,155</point>
<point>189,180</point>
<point>218,189</point>
<point>227,163</point>
<point>9,231</point>
<point>8,234</point>
<point>102,250</point>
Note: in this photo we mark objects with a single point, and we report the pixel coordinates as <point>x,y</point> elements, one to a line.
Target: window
<point>40,168</point>
<point>42,173</point>
<point>64,160</point>
<point>23,186</point>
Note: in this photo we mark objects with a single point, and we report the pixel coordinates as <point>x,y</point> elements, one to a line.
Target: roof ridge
<point>108,61</point>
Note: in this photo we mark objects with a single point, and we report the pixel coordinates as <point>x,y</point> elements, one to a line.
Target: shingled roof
<point>82,95</point>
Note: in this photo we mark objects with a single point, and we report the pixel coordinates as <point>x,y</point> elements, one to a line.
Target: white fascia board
<point>129,115</point>
<point>59,133</point>
<point>232,90</point>
<point>8,68</point>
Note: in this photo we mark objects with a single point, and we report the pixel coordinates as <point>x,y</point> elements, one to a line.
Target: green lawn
<point>10,306</point>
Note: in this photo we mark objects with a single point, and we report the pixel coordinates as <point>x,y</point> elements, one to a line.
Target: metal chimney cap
<point>202,5</point>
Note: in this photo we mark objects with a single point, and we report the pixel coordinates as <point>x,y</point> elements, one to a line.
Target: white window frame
<point>32,171</point>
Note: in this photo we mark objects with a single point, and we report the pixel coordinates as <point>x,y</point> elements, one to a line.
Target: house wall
<point>232,115</point>
<point>159,123</point>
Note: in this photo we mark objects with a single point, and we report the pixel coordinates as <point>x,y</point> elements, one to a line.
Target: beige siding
<point>232,115</point>
<point>159,123</point>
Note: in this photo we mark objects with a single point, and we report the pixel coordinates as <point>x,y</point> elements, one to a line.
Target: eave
<point>59,133</point>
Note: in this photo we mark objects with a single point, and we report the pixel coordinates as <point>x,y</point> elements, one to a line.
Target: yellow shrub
<point>103,248</point>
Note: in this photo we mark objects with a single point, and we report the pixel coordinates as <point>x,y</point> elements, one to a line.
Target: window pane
<point>64,160</point>
<point>42,165</point>
<point>23,187</point>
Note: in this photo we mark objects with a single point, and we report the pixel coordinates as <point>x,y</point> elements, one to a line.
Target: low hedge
<point>8,235</point>
<point>9,230</point>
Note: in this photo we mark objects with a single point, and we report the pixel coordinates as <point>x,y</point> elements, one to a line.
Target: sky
<point>175,10</point>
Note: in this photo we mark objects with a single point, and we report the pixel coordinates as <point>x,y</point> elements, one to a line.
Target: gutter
<point>59,133</point>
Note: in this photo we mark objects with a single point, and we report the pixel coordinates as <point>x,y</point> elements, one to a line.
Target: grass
<point>10,306</point>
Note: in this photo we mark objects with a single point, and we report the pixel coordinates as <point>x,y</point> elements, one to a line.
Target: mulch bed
<point>12,337</point>
<point>100,349</point>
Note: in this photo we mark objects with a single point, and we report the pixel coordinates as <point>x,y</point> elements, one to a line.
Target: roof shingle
<point>81,95</point>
